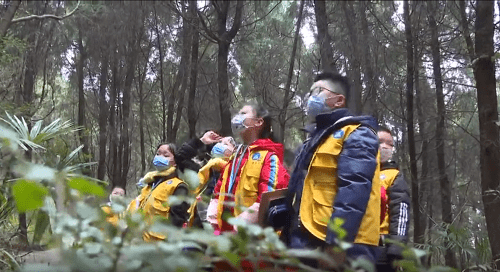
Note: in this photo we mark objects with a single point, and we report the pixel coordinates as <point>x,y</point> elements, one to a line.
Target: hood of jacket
<point>268,144</point>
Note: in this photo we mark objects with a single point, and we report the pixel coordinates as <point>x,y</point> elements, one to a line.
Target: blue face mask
<point>161,163</point>
<point>237,124</point>
<point>218,150</point>
<point>316,105</point>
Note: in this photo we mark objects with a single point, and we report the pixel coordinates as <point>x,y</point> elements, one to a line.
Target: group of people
<point>343,170</point>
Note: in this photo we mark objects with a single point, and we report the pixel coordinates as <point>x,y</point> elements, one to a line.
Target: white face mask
<point>114,198</point>
<point>385,154</point>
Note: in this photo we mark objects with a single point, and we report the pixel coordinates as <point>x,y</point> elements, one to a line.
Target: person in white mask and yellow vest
<point>396,213</point>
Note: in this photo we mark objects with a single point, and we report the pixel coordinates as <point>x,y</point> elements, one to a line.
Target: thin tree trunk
<point>114,136</point>
<point>484,73</point>
<point>444,182</point>
<point>282,117</point>
<point>192,116</point>
<point>324,39</point>
<point>7,17</point>
<point>354,102</point>
<point>465,29</point>
<point>103,118</point>
<point>409,122</point>
<point>82,134</point>
<point>370,104</point>
<point>162,88</point>
<point>225,38</point>
<point>419,229</point>
<point>184,66</point>
<point>142,77</point>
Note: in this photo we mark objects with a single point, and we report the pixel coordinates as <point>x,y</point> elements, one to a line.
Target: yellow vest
<point>154,203</point>
<point>387,178</point>
<point>111,217</point>
<point>247,190</point>
<point>204,176</point>
<point>320,189</point>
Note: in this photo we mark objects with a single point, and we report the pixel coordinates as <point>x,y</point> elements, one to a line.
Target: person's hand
<point>210,137</point>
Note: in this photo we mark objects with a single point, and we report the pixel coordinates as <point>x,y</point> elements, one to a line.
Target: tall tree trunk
<point>440,129</point>
<point>225,38</point>
<point>162,88</point>
<point>103,117</point>
<point>370,104</point>
<point>409,122</point>
<point>114,136</point>
<point>7,17</point>
<point>282,117</point>
<point>184,66</point>
<point>484,73</point>
<point>419,229</point>
<point>324,39</point>
<point>354,102</point>
<point>192,116</point>
<point>82,134</point>
<point>142,78</point>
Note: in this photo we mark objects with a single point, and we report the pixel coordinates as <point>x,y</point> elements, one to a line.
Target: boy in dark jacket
<point>395,222</point>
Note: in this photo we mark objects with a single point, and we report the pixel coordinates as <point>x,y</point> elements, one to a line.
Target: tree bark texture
<point>224,39</point>
<point>6,19</point>
<point>191,110</point>
<point>370,101</point>
<point>282,117</point>
<point>444,182</point>
<point>484,73</point>
<point>324,39</point>
<point>354,102</point>
<point>82,134</point>
<point>409,119</point>
<point>103,118</point>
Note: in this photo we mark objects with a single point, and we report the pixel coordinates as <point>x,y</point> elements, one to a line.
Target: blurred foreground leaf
<point>86,187</point>
<point>29,195</point>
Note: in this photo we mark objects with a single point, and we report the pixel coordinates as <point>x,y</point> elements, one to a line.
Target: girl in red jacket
<point>256,167</point>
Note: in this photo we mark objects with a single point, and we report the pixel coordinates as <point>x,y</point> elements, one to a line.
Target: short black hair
<point>384,129</point>
<point>336,78</point>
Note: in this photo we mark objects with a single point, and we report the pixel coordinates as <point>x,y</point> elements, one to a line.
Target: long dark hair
<point>267,130</point>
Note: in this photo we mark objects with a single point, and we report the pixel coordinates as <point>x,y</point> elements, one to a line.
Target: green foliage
<point>29,195</point>
<point>86,187</point>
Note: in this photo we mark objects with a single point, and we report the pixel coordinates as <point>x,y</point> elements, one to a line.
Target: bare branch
<point>46,16</point>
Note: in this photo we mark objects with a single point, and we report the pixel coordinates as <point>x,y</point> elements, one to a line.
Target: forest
<point>88,89</point>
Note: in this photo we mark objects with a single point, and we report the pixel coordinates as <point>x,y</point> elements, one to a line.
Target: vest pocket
<point>250,190</point>
<point>160,206</point>
<point>322,205</point>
